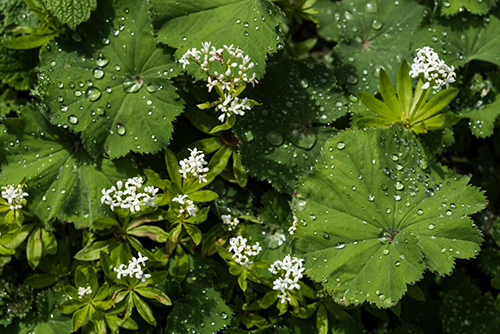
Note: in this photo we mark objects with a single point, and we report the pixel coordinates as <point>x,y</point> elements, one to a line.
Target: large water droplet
<point>340,145</point>
<point>93,94</point>
<point>120,129</point>
<point>377,25</point>
<point>72,119</point>
<point>101,62</point>
<point>274,236</point>
<point>339,245</point>
<point>133,85</point>
<point>302,136</point>
<point>274,138</point>
<point>98,73</point>
<point>248,136</point>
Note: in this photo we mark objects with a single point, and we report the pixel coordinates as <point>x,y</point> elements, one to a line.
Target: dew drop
<point>340,145</point>
<point>101,62</point>
<point>93,94</point>
<point>339,245</point>
<point>98,73</point>
<point>274,138</point>
<point>120,129</point>
<point>72,119</point>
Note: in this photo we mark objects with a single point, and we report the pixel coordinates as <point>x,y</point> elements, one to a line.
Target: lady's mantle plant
<point>277,216</point>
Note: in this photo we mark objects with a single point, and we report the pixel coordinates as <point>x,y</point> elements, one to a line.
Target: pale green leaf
<point>378,107</point>
<point>375,214</point>
<point>388,94</point>
<point>113,86</point>
<point>249,24</point>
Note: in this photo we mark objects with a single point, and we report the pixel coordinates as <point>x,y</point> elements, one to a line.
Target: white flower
<point>230,222</point>
<point>432,70</point>
<point>242,251</point>
<point>293,228</point>
<point>129,198</point>
<point>133,269</point>
<point>290,271</point>
<point>14,196</point>
<point>231,106</point>
<point>194,166</point>
<point>186,205</point>
<point>84,291</point>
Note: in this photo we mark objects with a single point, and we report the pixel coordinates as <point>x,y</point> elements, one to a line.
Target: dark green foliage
<point>16,301</point>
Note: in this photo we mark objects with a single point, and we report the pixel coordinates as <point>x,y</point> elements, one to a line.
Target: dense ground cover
<point>249,166</point>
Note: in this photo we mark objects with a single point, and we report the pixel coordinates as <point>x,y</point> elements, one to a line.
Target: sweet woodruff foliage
<point>249,166</point>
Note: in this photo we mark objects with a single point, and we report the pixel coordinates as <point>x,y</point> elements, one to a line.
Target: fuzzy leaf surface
<point>280,139</point>
<point>249,24</point>
<point>371,36</point>
<point>375,214</point>
<point>113,86</point>
<point>473,6</point>
<point>71,12</point>
<point>461,41</point>
<point>63,181</point>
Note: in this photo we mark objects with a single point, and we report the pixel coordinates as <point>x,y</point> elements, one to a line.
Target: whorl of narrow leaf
<point>374,214</point>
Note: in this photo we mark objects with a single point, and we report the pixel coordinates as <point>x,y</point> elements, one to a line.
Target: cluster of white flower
<point>84,291</point>
<point>242,251</point>
<point>231,106</point>
<point>14,196</point>
<point>227,79</point>
<point>291,270</point>
<point>194,165</point>
<point>187,205</point>
<point>432,70</point>
<point>293,228</point>
<point>133,269</point>
<point>129,198</point>
<point>230,221</point>
<point>236,67</point>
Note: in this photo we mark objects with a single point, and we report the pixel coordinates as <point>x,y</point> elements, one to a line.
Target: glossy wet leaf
<point>280,139</point>
<point>111,82</point>
<point>371,35</point>
<point>63,181</point>
<point>71,12</point>
<point>375,214</point>
<point>482,119</point>
<point>463,40</point>
<point>479,7</point>
<point>250,24</point>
